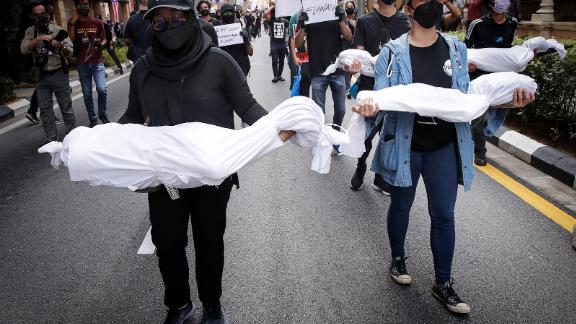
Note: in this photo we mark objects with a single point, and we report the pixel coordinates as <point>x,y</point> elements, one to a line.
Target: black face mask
<point>388,2</point>
<point>83,10</point>
<point>228,18</point>
<point>204,12</point>
<point>349,11</point>
<point>428,14</point>
<point>174,38</point>
<point>41,22</point>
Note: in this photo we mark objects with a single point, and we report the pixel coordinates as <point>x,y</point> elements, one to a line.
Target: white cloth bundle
<point>447,104</point>
<point>499,87</point>
<point>542,45</point>
<point>348,56</point>
<point>191,154</point>
<point>514,59</point>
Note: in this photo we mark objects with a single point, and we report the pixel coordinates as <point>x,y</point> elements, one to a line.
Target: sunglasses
<point>160,23</point>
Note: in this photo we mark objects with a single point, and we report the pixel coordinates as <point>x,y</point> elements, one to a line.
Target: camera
<point>43,52</point>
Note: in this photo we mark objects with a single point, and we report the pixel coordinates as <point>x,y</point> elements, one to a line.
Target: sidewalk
<point>17,109</point>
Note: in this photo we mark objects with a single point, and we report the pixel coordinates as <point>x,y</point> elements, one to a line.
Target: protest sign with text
<point>320,10</point>
<point>229,34</point>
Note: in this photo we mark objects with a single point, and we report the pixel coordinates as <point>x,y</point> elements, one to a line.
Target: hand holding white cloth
<point>348,56</point>
<point>499,87</point>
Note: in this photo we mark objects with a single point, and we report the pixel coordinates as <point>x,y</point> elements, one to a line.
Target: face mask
<point>500,6</point>
<point>42,23</point>
<point>204,12</point>
<point>174,38</point>
<point>428,14</point>
<point>349,11</point>
<point>83,10</point>
<point>228,18</point>
<point>388,2</point>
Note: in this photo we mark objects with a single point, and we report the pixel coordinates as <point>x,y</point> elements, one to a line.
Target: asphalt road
<point>300,247</point>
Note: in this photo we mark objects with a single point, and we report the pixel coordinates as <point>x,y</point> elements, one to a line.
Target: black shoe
<point>180,315</point>
<point>398,271</point>
<point>104,119</point>
<point>480,159</point>
<point>281,79</point>
<point>93,123</point>
<point>32,118</point>
<point>449,298</point>
<point>380,185</point>
<point>275,80</point>
<point>214,315</point>
<point>358,177</point>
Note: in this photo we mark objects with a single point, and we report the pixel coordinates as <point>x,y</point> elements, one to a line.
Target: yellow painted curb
<point>554,213</point>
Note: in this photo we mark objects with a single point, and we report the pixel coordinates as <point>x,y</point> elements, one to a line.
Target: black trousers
<point>279,52</point>
<point>205,207</point>
<point>114,56</point>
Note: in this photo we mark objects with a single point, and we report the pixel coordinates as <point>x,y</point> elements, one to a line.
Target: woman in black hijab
<point>183,78</point>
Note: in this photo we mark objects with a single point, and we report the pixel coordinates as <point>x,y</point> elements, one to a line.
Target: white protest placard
<point>320,10</point>
<point>229,34</point>
<point>287,8</point>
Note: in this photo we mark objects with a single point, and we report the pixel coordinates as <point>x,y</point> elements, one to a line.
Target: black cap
<point>227,7</point>
<point>182,5</point>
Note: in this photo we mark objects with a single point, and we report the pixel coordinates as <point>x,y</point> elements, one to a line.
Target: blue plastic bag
<point>296,85</point>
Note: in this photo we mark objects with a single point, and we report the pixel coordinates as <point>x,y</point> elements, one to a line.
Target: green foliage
<point>7,87</point>
<point>556,96</point>
<point>120,51</point>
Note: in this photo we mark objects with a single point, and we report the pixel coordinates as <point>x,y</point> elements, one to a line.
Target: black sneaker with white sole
<point>180,315</point>
<point>398,271</point>
<point>381,185</point>
<point>449,298</point>
<point>32,118</point>
<point>214,315</point>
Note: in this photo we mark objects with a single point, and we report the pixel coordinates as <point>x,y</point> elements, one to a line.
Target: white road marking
<point>76,97</point>
<point>147,246</point>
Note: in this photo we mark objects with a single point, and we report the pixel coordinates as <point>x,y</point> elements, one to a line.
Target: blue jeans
<point>87,72</point>
<point>337,85</point>
<point>439,170</point>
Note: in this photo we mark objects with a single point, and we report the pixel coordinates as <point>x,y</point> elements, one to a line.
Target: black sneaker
<point>32,118</point>
<point>275,80</point>
<point>380,185</point>
<point>93,123</point>
<point>358,177</point>
<point>281,79</point>
<point>180,315</point>
<point>480,159</point>
<point>398,271</point>
<point>449,298</point>
<point>214,315</point>
<point>104,119</point>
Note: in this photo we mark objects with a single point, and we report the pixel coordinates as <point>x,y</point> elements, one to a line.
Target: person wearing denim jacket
<point>411,146</point>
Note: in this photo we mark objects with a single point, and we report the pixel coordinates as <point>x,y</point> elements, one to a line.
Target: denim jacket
<point>392,156</point>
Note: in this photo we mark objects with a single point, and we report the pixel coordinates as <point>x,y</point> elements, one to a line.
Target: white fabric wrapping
<point>514,59</point>
<point>448,104</point>
<point>348,56</point>
<point>499,87</point>
<point>191,154</point>
<point>541,45</point>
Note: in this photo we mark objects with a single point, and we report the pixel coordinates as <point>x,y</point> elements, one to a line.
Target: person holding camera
<point>89,39</point>
<point>49,46</point>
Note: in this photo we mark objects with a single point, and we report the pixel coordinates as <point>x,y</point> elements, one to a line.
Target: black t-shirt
<point>431,65</point>
<point>238,52</point>
<point>324,45</point>
<point>278,31</point>
<point>484,32</point>
<point>373,31</point>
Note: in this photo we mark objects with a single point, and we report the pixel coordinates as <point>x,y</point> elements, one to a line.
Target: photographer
<point>89,39</point>
<point>49,46</point>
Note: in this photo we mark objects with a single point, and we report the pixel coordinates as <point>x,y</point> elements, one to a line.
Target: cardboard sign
<point>287,8</point>
<point>320,10</point>
<point>229,34</point>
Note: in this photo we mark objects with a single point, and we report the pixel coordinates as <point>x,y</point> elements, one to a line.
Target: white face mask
<point>500,6</point>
